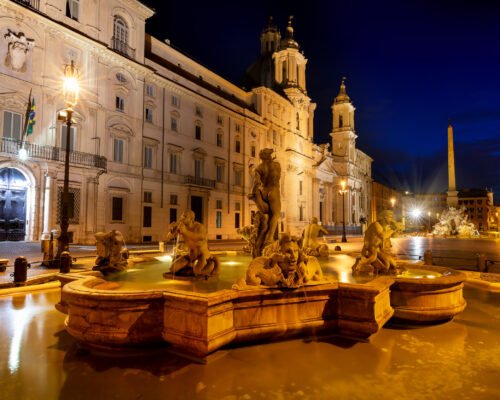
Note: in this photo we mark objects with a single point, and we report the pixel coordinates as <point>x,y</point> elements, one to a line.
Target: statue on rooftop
<point>311,245</point>
<point>197,261</point>
<point>376,257</point>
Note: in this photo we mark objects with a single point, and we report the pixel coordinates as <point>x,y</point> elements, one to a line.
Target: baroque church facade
<point>155,133</point>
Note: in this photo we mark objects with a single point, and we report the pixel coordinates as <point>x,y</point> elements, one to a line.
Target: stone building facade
<point>156,133</point>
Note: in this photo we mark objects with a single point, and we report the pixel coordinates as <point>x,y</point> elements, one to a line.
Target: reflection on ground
<point>459,359</point>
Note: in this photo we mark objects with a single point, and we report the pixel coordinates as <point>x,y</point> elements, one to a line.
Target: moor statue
<point>112,255</point>
<point>311,246</point>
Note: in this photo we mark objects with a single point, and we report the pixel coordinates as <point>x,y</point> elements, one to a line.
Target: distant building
<point>479,208</point>
<point>386,198</point>
<point>155,132</point>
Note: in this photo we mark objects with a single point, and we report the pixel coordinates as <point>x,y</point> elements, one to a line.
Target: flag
<point>31,118</point>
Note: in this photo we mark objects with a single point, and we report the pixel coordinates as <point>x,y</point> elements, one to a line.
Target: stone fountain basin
<point>435,296</point>
<point>200,323</point>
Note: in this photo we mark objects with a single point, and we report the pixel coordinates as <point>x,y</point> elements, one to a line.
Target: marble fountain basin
<point>198,318</point>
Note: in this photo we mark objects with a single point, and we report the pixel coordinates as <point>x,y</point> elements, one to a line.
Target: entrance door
<point>197,208</point>
<point>12,205</point>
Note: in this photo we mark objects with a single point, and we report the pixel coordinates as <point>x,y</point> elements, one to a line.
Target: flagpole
<point>26,117</point>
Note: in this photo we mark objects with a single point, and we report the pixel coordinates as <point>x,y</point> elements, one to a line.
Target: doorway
<point>13,188</point>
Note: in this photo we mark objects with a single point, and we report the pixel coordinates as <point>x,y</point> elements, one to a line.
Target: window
<point>220,137</point>
<point>237,206</point>
<point>218,219</point>
<point>275,137</point>
<point>174,124</point>
<point>268,136</point>
<point>176,101</point>
<point>197,132</point>
<point>64,130</point>
<point>118,150</point>
<point>148,197</point>
<point>341,121</point>
<point>120,103</point>
<point>301,213</point>
<point>253,151</point>
<point>237,177</point>
<point>148,114</point>
<point>173,215</point>
<point>238,127</point>
<point>297,121</point>
<point>219,172</point>
<point>174,160</point>
<point>12,125</point>
<point>197,168</point>
<point>218,204</point>
<point>117,209</point>
<point>148,157</point>
<point>120,35</point>
<point>220,120</point>
<point>174,199</point>
<point>72,9</point>
<point>198,111</point>
<point>300,188</point>
<point>121,78</point>
<point>150,91</point>
<point>147,216</point>
<point>73,203</point>
<point>237,220</point>
<point>237,145</point>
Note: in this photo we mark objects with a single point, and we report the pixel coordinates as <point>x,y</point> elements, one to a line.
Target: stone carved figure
<point>282,264</point>
<point>311,246</point>
<point>376,257</point>
<point>197,261</point>
<point>112,255</point>
<point>18,47</point>
<point>266,195</point>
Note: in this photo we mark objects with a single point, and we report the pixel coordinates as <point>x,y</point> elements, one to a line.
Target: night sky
<point>410,65</point>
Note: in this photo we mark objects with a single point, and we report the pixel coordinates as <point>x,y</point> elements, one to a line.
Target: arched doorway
<point>13,189</point>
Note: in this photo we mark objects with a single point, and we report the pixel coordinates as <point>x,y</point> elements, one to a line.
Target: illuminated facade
<point>155,132</point>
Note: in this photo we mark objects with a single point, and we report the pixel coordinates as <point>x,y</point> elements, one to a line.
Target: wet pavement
<point>459,359</point>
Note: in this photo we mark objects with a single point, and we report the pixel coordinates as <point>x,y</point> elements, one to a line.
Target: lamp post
<point>343,191</point>
<point>393,202</point>
<point>496,214</point>
<point>70,92</point>
<point>429,219</point>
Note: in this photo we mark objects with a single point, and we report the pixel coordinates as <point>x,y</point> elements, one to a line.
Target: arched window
<point>120,35</point>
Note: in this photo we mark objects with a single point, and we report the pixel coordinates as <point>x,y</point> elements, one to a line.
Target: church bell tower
<point>343,134</point>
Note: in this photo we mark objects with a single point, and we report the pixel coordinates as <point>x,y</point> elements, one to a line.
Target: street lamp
<point>343,191</point>
<point>429,219</point>
<point>496,214</point>
<point>70,92</point>
<point>393,202</point>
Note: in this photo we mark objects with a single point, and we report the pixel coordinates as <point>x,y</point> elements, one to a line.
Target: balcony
<point>122,47</point>
<point>51,153</point>
<point>198,181</point>
<point>35,4</point>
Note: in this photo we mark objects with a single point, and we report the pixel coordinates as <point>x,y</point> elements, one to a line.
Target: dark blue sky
<point>410,65</point>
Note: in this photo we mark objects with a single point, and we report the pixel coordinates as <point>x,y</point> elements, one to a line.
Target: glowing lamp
<point>70,85</point>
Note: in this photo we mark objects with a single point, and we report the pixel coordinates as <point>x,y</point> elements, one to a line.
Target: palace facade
<point>155,133</point>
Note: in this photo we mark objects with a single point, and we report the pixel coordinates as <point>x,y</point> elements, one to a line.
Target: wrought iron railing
<point>29,3</point>
<point>122,47</point>
<point>198,181</point>
<point>350,230</point>
<point>12,146</point>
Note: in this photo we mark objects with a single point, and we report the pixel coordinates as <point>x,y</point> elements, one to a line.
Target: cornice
<point>143,10</point>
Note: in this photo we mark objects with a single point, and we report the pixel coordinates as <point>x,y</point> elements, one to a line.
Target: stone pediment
<point>120,125</point>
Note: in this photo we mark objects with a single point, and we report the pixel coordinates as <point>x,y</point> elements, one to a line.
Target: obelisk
<point>452,199</point>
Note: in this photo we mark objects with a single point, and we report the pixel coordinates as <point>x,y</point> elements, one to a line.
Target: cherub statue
<point>112,256</point>
<point>198,261</point>
<point>376,257</point>
<point>311,246</point>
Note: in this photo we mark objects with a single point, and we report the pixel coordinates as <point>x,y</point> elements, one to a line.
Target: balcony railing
<point>122,47</point>
<point>197,181</point>
<point>29,3</point>
<point>36,151</point>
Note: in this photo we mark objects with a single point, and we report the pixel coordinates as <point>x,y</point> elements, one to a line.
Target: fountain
<point>453,222</point>
<point>280,293</point>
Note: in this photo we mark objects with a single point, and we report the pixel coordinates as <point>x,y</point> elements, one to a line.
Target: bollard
<point>481,263</point>
<point>65,262</point>
<point>161,247</point>
<point>428,257</point>
<point>20,270</point>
